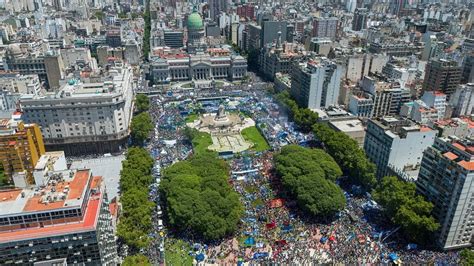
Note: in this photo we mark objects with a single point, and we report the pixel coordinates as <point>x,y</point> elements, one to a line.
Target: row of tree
<point>347,153</point>
<point>308,176</point>
<point>142,124</point>
<point>146,34</point>
<point>406,209</point>
<point>303,117</point>
<point>198,198</point>
<point>136,218</point>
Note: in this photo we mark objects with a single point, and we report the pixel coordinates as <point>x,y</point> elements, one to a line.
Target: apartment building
<point>67,219</point>
<point>462,100</point>
<point>396,146</point>
<point>21,146</point>
<point>88,116</point>
<point>446,179</point>
<point>315,84</point>
<point>442,75</point>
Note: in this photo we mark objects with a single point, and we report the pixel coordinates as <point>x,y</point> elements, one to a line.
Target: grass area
<point>253,135</point>
<point>257,202</point>
<point>201,141</point>
<point>187,85</point>
<point>176,252</point>
<point>191,118</point>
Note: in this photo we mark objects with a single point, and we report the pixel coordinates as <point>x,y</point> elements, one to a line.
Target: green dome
<point>195,21</point>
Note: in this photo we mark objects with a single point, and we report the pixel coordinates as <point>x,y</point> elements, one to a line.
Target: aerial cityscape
<point>252,132</point>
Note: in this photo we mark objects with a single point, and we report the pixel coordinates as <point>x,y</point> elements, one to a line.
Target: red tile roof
<point>467,165</point>
<point>450,155</point>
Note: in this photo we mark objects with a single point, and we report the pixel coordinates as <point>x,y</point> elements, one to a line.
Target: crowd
<point>272,229</point>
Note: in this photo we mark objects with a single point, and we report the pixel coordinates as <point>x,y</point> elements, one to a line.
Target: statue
<point>221,113</point>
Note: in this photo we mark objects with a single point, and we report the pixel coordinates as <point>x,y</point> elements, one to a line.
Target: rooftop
<point>64,189</point>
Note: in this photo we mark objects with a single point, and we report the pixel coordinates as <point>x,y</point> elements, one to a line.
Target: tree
<point>303,117</point>
<point>308,175</point>
<point>134,260</point>
<point>141,127</point>
<point>347,154</point>
<point>100,15</point>
<point>198,198</point>
<point>146,33</point>
<point>405,208</point>
<point>467,257</point>
<point>135,179</point>
<point>142,103</point>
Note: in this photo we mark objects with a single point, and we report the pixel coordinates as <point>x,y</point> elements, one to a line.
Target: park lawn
<point>3,178</point>
<point>201,142</point>
<point>191,117</point>
<point>176,252</point>
<point>253,135</point>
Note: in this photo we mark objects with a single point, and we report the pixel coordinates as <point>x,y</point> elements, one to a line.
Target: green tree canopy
<point>199,199</point>
<point>347,153</point>
<point>141,127</point>
<point>136,260</point>
<point>303,117</point>
<point>308,175</point>
<point>405,208</point>
<point>142,103</point>
<point>467,257</point>
<point>135,179</point>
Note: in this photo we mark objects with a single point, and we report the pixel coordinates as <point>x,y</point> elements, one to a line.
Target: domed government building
<point>195,28</point>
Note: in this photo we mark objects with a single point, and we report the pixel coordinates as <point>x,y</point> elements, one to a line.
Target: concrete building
<point>395,48</point>
<point>278,59</point>
<point>67,219</point>
<point>463,100</point>
<point>85,116</point>
<point>360,19</point>
<point>361,106</point>
<point>321,46</point>
<point>272,31</point>
<point>77,58</point>
<point>468,69</point>
<point>49,66</point>
<point>132,53</point>
<point>352,127</point>
<point>113,37</point>
<point>203,67</point>
<point>315,84</point>
<point>447,180</point>
<point>325,28</point>
<point>460,127</point>
<point>21,84</point>
<point>360,65</point>
<point>173,39</point>
<point>442,75</point>
<point>396,146</point>
<point>21,146</point>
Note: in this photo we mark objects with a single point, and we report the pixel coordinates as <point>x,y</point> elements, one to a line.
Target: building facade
<point>463,100</point>
<point>68,218</point>
<point>85,117</point>
<point>197,67</point>
<point>396,146</point>
<point>442,75</point>
<point>325,28</point>
<point>447,180</point>
<point>21,146</point>
<point>315,84</point>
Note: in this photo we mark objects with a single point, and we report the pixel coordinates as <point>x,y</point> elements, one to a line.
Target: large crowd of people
<point>272,229</point>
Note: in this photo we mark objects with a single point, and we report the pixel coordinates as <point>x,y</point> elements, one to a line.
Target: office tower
<point>442,75</point>
<point>67,219</point>
<point>21,146</point>
<point>462,100</point>
<point>325,27</point>
<point>173,39</point>
<point>447,180</point>
<point>360,19</point>
<point>396,146</point>
<point>113,37</point>
<point>216,7</point>
<point>273,31</point>
<point>315,83</point>
<point>85,117</point>
<point>468,68</point>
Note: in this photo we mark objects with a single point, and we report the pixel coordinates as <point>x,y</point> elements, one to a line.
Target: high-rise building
<point>21,146</point>
<point>66,219</point>
<point>216,7</point>
<point>447,180</point>
<point>442,75</point>
<point>463,100</point>
<point>396,146</point>
<point>272,31</point>
<point>360,19</point>
<point>315,84</point>
<point>325,27</point>
<point>468,68</point>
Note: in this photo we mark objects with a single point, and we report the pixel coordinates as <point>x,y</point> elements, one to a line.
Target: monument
<point>224,129</point>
